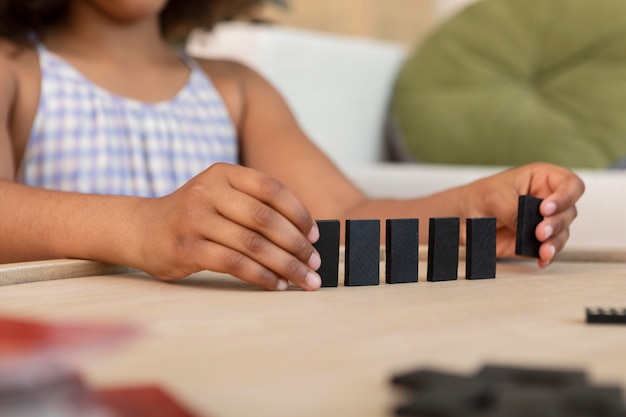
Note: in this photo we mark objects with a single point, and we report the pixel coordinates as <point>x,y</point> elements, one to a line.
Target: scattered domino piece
<point>606,316</point>
<point>528,217</point>
<point>328,248</point>
<point>402,246</point>
<point>507,391</point>
<point>480,260</point>
<point>443,249</point>
<point>362,258</point>
<point>555,378</point>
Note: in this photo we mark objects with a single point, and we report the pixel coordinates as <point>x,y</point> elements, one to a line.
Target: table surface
<point>225,348</point>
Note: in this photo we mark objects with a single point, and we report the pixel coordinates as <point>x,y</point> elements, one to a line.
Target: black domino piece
<point>606,316</point>
<point>528,217</point>
<point>428,379</point>
<point>526,377</point>
<point>328,248</point>
<point>480,258</point>
<point>443,249</point>
<point>504,391</point>
<point>402,250</point>
<point>362,261</point>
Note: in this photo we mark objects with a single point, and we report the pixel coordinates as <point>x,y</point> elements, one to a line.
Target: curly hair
<point>20,19</point>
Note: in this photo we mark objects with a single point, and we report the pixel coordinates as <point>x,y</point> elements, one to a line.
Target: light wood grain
<point>20,273</point>
<point>227,349</point>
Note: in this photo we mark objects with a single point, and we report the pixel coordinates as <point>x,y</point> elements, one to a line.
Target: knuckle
<point>218,168</point>
<point>266,278</point>
<point>294,269</point>
<point>305,217</point>
<point>271,187</point>
<point>254,242</point>
<point>303,249</point>
<point>263,215</point>
<point>233,263</point>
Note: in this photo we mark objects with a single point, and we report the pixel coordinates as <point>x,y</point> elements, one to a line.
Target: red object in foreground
<point>25,342</point>
<point>141,401</point>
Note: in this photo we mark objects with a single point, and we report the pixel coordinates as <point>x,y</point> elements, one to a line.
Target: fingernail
<point>549,209</point>
<point>313,280</point>
<point>551,251</point>
<point>314,234</point>
<point>548,230</point>
<point>315,261</point>
<point>282,285</point>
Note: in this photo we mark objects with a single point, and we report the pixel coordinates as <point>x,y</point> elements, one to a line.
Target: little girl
<point>117,147</point>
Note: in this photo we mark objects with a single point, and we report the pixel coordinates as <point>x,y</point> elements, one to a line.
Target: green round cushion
<point>507,82</point>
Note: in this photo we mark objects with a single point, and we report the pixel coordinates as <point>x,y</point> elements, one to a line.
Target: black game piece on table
<point>606,316</point>
<point>362,261</point>
<point>401,248</point>
<point>528,217</point>
<point>328,248</point>
<point>480,258</point>
<point>543,377</point>
<point>443,249</point>
<point>507,391</point>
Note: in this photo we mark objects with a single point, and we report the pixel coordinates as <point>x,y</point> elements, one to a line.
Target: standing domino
<point>362,266</point>
<point>401,249</point>
<point>443,249</point>
<point>480,259</point>
<point>328,248</point>
<point>528,218</point>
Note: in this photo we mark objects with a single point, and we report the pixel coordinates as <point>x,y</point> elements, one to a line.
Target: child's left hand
<point>497,196</point>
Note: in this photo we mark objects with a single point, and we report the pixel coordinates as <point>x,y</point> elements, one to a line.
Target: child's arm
<point>273,143</point>
<point>265,237</point>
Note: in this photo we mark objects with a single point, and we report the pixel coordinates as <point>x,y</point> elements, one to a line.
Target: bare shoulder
<point>225,70</point>
<point>19,89</point>
<point>8,89</point>
<point>18,64</point>
<point>10,64</point>
<point>17,57</point>
<point>230,79</point>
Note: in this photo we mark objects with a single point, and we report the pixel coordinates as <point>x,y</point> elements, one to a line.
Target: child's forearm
<point>39,224</point>
<point>443,204</point>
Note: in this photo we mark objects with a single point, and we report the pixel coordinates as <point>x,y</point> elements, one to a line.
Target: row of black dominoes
<point>362,253</point>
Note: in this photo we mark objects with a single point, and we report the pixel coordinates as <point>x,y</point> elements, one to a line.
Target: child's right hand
<point>233,220</point>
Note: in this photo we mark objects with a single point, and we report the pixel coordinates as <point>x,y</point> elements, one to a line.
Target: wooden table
<point>225,348</point>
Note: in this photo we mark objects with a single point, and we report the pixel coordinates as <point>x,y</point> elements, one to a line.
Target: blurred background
<point>394,20</point>
<point>453,89</point>
<point>402,21</point>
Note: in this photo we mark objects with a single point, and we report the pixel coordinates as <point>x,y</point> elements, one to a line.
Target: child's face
<point>127,10</point>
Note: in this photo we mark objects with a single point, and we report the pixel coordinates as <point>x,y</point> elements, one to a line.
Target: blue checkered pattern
<point>89,140</point>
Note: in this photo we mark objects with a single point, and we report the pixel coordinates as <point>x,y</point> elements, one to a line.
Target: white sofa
<point>339,87</point>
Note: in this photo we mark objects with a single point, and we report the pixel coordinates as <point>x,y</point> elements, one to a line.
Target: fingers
<point>264,255</point>
<point>264,221</point>
<point>221,259</point>
<point>497,196</point>
<point>256,217</point>
<point>559,211</point>
<point>553,232</point>
<point>567,190</point>
<point>275,195</point>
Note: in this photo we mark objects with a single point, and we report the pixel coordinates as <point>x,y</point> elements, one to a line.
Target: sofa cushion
<point>338,86</point>
<point>506,82</point>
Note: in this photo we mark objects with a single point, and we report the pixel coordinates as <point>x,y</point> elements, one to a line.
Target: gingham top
<point>89,140</point>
